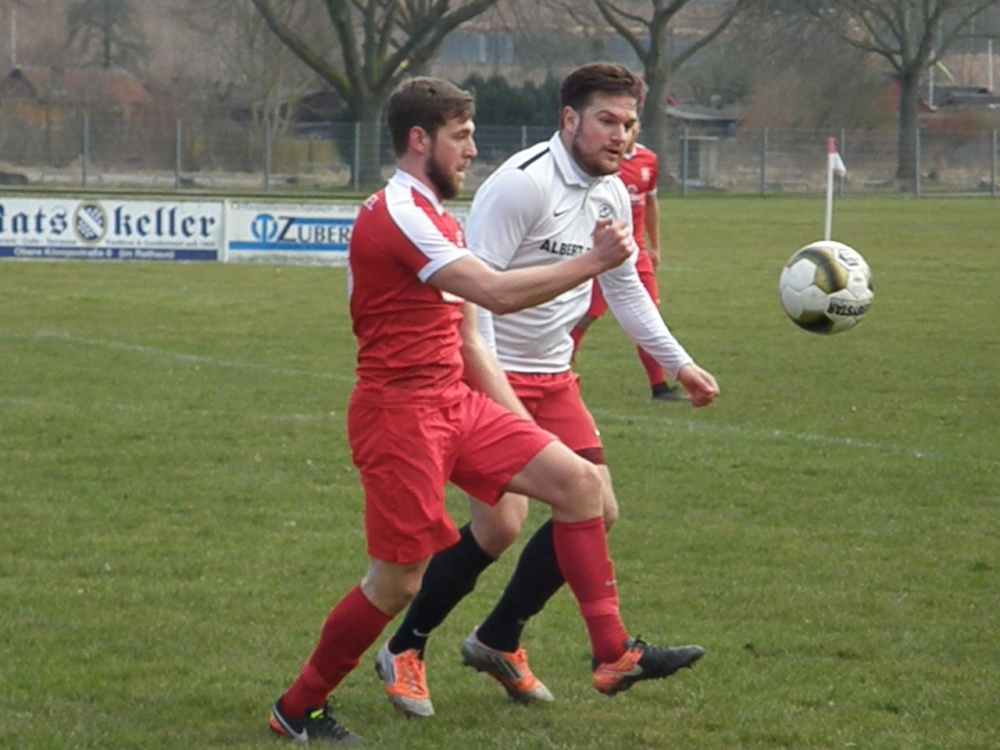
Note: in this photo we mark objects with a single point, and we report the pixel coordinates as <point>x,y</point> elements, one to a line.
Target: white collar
<point>567,166</point>
<point>407,180</point>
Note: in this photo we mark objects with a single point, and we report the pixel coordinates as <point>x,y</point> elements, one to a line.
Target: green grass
<point>178,509</point>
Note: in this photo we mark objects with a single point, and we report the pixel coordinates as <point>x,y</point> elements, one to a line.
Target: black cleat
<point>669,393</point>
<point>642,662</point>
<point>317,725</point>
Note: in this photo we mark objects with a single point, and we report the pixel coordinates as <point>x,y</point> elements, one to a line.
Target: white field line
<point>656,425</point>
<point>652,424</point>
<point>144,410</point>
<point>177,356</point>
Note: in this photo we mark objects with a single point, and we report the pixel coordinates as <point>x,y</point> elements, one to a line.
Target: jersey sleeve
<point>502,214</point>
<point>639,317</point>
<point>429,236</point>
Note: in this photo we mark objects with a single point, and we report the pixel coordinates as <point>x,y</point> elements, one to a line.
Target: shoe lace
<point>519,659</point>
<point>411,672</point>
<point>324,725</point>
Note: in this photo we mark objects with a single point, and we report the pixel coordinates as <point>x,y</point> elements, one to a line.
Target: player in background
<point>414,423</point>
<point>639,171</point>
<point>535,211</point>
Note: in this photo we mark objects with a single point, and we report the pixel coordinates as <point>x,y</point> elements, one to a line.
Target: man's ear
<point>570,118</point>
<point>420,141</point>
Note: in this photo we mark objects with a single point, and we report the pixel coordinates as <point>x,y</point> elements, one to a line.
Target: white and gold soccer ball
<point>826,287</point>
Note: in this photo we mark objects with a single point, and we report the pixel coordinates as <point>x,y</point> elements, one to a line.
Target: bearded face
<point>600,133</point>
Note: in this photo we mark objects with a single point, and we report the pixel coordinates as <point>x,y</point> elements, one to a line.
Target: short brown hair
<point>426,103</point>
<point>599,78</point>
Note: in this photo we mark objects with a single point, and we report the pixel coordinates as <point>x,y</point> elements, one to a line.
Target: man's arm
<point>637,315</point>
<point>503,292</point>
<point>482,369</point>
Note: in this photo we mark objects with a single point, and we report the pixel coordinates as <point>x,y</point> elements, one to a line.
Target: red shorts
<point>647,275</point>
<point>406,450</point>
<point>555,403</point>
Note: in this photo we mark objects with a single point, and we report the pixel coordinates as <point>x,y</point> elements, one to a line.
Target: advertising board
<point>110,229</point>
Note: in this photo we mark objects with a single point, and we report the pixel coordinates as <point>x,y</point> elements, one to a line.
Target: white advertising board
<point>310,233</point>
<point>106,229</point>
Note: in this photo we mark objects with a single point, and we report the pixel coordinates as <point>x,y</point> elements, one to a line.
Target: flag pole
<point>831,156</point>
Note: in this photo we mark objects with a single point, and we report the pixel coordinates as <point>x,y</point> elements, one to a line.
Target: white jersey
<point>539,208</point>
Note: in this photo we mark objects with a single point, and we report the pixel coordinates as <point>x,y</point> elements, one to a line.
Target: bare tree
<point>249,69</point>
<point>645,25</point>
<point>786,71</point>
<point>371,46</point>
<point>107,33</point>
<point>912,36</point>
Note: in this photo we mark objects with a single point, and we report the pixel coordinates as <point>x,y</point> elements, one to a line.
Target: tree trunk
<point>909,102</point>
<point>654,118</point>
<point>369,162</point>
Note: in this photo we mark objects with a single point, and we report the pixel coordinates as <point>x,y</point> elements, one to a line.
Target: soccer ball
<point>826,287</point>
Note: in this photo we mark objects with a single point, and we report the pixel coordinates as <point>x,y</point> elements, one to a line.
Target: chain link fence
<point>215,153</point>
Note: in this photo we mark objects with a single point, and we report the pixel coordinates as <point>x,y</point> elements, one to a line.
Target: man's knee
<point>585,490</point>
<point>391,587</point>
<point>496,529</point>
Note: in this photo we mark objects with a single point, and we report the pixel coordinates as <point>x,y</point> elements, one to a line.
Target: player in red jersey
<point>639,171</point>
<point>414,423</point>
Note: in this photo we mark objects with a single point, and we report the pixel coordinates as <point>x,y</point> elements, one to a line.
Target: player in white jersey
<point>539,208</point>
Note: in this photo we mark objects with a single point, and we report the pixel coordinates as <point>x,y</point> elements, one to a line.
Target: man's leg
<point>536,579</point>
<point>352,626</point>
<point>660,389</point>
<point>574,489</point>
<point>450,577</point>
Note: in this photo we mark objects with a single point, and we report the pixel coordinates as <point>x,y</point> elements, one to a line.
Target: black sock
<point>451,575</point>
<point>536,579</point>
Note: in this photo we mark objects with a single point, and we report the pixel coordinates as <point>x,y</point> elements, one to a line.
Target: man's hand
<point>613,243</point>
<point>699,384</point>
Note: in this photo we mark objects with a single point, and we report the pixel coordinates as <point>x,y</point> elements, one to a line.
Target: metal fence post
<point>684,163</point>
<point>267,153</point>
<point>357,156</point>
<point>763,161</point>
<point>524,137</point>
<point>916,165</point>
<point>86,150</point>
<point>993,170</point>
<point>177,154</point>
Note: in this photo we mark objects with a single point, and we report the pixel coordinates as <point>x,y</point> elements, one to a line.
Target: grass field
<point>178,509</point>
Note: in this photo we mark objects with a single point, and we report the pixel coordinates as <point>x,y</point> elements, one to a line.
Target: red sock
<point>352,626</point>
<point>653,370</point>
<point>582,552</point>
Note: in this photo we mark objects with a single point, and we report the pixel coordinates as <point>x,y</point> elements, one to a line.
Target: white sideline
<point>656,424</point>
<point>179,356</point>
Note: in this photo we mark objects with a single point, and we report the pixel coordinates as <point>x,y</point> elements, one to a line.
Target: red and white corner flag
<point>833,157</point>
<point>834,166</point>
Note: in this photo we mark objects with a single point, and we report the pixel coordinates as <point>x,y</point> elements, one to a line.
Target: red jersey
<point>407,331</point>
<point>639,172</point>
